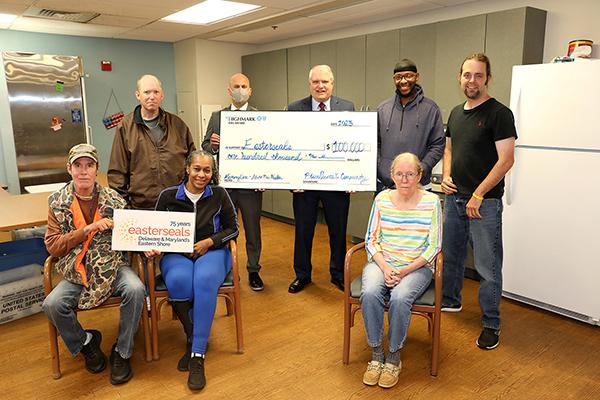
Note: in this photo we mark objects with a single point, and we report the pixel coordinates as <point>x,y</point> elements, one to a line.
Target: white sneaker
<point>452,308</point>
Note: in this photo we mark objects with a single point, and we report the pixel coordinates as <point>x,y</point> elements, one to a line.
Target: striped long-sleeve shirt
<point>403,235</point>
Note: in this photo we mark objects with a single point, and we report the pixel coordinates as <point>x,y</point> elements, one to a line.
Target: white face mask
<point>240,95</point>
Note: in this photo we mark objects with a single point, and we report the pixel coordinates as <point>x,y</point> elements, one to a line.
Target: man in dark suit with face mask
<point>249,201</point>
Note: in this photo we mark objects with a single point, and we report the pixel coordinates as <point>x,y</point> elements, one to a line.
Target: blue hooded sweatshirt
<point>416,128</point>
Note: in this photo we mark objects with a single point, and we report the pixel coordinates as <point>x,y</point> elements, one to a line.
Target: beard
<point>473,95</point>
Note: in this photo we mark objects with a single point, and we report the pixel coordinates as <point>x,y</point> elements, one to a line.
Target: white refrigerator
<point>551,227</point>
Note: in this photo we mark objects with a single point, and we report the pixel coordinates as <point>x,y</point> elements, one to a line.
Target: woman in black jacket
<point>194,279</point>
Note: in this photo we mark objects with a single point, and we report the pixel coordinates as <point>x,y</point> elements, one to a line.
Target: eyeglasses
<point>408,175</point>
<point>409,76</point>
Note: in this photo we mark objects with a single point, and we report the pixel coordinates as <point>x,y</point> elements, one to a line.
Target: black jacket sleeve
<point>229,223</point>
<point>213,127</point>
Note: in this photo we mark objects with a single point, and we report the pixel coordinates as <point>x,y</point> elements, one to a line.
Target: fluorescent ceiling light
<point>210,11</point>
<point>7,18</point>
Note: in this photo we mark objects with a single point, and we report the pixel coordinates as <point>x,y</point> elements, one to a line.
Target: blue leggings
<point>197,281</point>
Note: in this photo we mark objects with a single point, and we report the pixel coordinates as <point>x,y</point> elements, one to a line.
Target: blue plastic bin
<point>22,252</point>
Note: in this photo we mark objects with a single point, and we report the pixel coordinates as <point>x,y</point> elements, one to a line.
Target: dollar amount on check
<point>299,150</point>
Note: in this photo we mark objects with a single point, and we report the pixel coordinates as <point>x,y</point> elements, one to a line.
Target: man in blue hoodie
<point>408,122</point>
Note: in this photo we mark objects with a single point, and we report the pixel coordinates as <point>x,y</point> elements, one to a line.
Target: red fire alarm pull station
<point>105,65</point>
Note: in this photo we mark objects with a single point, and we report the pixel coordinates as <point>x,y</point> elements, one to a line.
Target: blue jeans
<point>197,281</point>
<point>61,303</point>
<point>486,234</point>
<point>401,297</point>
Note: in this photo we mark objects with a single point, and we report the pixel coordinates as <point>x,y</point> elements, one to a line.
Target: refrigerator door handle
<point>515,105</point>
<point>88,131</point>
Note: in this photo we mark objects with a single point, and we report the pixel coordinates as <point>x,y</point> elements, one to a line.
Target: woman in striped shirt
<point>402,240</point>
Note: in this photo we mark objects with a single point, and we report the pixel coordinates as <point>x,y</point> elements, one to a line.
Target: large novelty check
<point>298,150</point>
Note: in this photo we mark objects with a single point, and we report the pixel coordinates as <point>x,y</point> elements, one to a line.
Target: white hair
<point>323,66</point>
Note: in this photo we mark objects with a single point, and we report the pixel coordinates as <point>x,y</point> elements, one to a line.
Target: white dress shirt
<point>315,104</point>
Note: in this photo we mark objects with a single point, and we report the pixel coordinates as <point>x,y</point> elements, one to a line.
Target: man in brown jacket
<point>149,149</point>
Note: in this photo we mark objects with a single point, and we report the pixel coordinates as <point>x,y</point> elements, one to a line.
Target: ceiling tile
<point>116,20</point>
<point>64,28</point>
<point>242,19</point>
<point>177,28</point>
<point>16,9</point>
<point>377,10</point>
<point>448,3</point>
<point>164,32</point>
<point>285,4</point>
<point>152,9</point>
<point>18,2</point>
<point>284,30</point>
<point>156,36</point>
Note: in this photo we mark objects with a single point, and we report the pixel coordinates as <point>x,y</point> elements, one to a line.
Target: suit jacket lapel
<point>333,103</point>
<point>308,103</point>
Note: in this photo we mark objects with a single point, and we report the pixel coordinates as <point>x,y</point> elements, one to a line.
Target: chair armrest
<point>347,265</point>
<point>137,265</point>
<point>234,262</point>
<point>150,273</point>
<point>48,267</point>
<point>439,266</point>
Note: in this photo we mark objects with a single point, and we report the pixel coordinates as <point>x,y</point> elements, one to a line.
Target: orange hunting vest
<point>79,221</point>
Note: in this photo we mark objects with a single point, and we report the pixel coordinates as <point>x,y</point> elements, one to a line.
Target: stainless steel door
<point>47,113</point>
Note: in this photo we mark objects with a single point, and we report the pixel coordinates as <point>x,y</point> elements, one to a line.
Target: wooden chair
<point>114,301</point>
<point>429,305</point>
<point>229,290</point>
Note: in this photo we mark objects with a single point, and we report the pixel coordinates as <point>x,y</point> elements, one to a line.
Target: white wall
<point>203,67</point>
<point>566,21</point>
<point>216,62</point>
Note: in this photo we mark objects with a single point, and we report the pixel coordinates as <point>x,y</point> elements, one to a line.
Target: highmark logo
<point>242,119</point>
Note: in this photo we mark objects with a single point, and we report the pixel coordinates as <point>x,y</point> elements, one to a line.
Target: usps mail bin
<point>21,280</point>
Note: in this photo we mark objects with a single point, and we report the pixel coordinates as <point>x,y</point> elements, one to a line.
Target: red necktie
<point>322,107</point>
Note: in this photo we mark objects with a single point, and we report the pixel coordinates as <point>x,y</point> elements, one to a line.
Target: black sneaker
<point>184,361</point>
<point>95,360</point>
<point>120,371</point>
<point>256,283</point>
<point>196,379</point>
<point>489,339</point>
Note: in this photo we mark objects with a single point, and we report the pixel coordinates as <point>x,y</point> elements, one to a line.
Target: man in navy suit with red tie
<point>305,202</point>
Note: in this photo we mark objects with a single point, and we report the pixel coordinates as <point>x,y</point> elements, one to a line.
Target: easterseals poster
<point>141,230</point>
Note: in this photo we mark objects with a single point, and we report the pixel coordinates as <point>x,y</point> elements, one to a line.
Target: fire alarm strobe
<point>105,65</point>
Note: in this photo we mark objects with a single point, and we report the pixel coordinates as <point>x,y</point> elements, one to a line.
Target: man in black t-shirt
<point>480,141</point>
